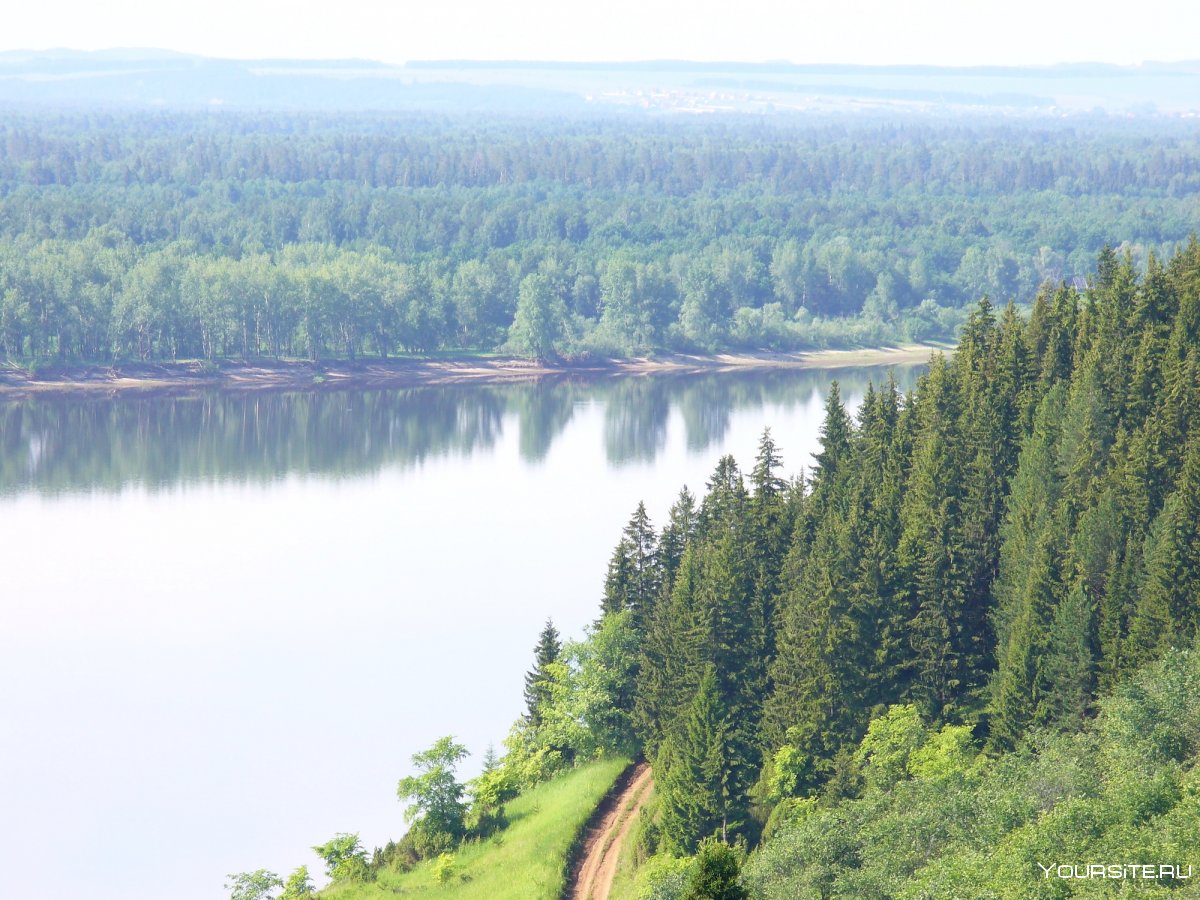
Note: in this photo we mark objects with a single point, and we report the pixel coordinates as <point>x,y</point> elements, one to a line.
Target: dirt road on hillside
<point>593,876</point>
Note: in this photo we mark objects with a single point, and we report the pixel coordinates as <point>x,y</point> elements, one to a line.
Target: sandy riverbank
<point>303,375</point>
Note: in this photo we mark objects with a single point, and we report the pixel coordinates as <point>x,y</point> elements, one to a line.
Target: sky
<point>935,32</point>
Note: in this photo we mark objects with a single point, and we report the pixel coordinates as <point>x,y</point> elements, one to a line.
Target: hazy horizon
<point>932,32</point>
<point>134,77</point>
<point>148,51</point>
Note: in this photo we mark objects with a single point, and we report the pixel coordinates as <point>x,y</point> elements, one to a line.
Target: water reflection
<point>63,444</point>
<point>635,420</point>
<point>543,412</point>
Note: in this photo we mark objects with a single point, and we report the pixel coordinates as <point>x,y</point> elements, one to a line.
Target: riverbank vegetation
<point>166,236</point>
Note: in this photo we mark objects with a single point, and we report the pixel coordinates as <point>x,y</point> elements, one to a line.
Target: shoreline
<point>227,375</point>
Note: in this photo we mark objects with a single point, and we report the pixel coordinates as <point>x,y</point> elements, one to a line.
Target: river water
<point>228,620</point>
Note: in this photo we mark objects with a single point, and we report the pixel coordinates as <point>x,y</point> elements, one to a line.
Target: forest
<point>170,235</point>
<point>958,649</point>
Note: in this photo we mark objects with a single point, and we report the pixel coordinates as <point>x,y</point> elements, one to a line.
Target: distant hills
<point>152,77</point>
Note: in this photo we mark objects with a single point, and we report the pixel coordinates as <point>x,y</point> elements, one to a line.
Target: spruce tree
<point>1168,607</point>
<point>879,656</point>
<point>1157,302</point>
<point>1145,380</point>
<point>633,579</point>
<point>946,652</point>
<point>1031,503</point>
<point>1116,319</point>
<point>700,796</point>
<point>764,477</point>
<point>1106,268</point>
<point>1058,357</point>
<point>1071,659</point>
<point>735,645</point>
<point>619,579</point>
<point>816,693</point>
<point>1013,386</point>
<point>836,432</point>
<point>537,692</point>
<point>1087,436</point>
<point>1021,686</point>
<point>770,531</point>
<point>1037,333</point>
<point>673,657</point>
<point>724,504</point>
<point>989,414</point>
<point>1116,610</point>
<point>679,530</point>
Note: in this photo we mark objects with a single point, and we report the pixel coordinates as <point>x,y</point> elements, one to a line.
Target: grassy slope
<point>526,861</point>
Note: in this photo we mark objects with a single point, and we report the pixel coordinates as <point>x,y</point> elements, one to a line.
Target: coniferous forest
<point>966,637</point>
<point>959,646</point>
<point>162,236</point>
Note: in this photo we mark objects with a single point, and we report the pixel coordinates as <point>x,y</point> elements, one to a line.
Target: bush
<point>484,821</point>
<point>345,859</point>
<point>715,874</point>
<point>443,868</point>
<point>663,877</point>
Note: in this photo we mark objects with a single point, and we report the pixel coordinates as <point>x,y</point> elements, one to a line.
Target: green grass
<point>526,861</point>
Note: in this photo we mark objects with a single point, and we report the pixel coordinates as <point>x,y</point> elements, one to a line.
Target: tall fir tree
<point>1031,503</point>
<point>836,433</point>
<point>816,687</point>
<point>634,578</point>
<point>679,530</point>
<point>1071,659</point>
<point>701,797</point>
<point>724,504</point>
<point>880,656</point>
<point>1167,612</point>
<point>537,689</point>
<point>1088,430</point>
<point>1022,685</point>
<point>735,644</point>
<point>673,656</point>
<point>945,653</point>
<point>771,525</point>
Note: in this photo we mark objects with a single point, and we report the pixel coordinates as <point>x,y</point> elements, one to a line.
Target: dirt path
<point>593,876</point>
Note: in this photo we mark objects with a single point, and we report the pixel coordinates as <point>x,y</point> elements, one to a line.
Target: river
<point>228,620</point>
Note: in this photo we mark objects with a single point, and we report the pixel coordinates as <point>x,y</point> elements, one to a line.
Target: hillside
<point>525,861</point>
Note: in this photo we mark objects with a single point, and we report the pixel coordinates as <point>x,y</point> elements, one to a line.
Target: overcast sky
<point>944,32</point>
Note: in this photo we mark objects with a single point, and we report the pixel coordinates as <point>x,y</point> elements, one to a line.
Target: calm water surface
<point>227,621</point>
